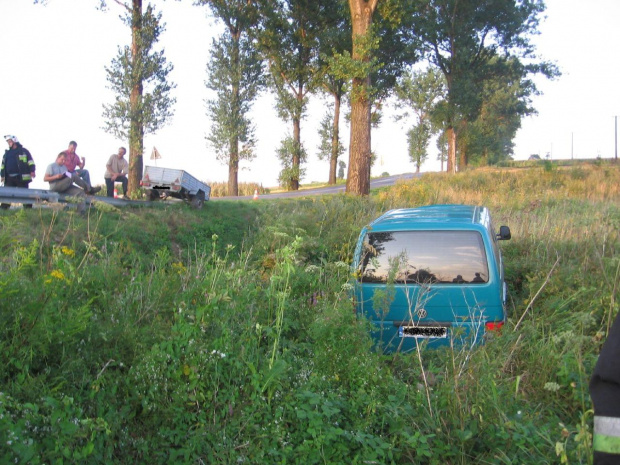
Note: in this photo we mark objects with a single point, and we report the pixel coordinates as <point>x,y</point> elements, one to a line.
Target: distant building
<point>534,157</point>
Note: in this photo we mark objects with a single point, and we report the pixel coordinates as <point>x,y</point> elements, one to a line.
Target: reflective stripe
<point>606,434</point>
<point>609,426</point>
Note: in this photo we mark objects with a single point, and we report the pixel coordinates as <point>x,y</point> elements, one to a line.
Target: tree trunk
<point>333,161</point>
<point>296,116</point>
<point>451,168</point>
<point>462,158</point>
<point>358,176</point>
<point>462,149</point>
<point>233,149</point>
<point>136,127</point>
<point>294,183</point>
<point>233,167</point>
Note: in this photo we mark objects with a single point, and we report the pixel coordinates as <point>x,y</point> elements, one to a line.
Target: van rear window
<point>424,257</point>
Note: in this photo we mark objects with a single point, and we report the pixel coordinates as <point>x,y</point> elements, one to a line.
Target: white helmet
<point>13,138</point>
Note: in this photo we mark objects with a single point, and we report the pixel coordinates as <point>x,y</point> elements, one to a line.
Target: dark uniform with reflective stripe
<point>605,393</point>
<point>16,168</point>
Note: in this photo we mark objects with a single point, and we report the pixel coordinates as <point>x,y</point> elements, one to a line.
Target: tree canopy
<point>289,38</point>
<point>235,75</point>
<point>382,47</point>
<point>467,40</point>
<point>139,78</point>
<point>355,51</point>
<point>420,92</point>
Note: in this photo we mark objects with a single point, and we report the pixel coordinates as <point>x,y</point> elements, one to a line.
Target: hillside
<point>226,335</point>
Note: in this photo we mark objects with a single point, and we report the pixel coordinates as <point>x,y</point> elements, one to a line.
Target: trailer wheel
<point>153,195</point>
<point>198,200</point>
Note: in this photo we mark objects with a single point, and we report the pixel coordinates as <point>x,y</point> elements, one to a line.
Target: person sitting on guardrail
<point>116,171</point>
<point>75,165</point>
<point>18,168</point>
<point>61,181</point>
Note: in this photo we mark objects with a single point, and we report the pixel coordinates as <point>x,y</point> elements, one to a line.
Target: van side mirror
<point>504,233</point>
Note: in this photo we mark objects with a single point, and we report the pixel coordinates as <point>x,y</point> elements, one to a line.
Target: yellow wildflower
<point>67,251</point>
<point>58,274</point>
<point>179,267</point>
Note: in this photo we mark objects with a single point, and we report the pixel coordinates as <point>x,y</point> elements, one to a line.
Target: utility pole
<point>571,145</point>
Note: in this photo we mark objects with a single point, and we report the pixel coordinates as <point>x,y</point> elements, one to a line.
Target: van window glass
<point>424,257</point>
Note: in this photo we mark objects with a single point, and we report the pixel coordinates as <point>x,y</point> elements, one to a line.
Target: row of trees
<point>476,88</point>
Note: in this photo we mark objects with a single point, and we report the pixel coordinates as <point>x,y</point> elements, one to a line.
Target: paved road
<point>374,184</point>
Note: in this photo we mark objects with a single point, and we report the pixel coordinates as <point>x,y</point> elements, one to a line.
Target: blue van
<point>430,275</point>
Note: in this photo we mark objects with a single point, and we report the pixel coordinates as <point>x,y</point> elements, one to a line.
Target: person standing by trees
<point>18,167</point>
<point>72,162</point>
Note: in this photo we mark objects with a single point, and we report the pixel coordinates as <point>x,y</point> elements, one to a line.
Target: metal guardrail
<point>21,195</point>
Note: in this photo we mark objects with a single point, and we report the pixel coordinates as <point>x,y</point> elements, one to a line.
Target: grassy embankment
<point>226,335</point>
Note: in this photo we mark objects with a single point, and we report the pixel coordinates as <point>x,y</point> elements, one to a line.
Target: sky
<point>53,85</point>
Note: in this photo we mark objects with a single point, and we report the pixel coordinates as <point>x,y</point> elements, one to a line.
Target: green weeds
<point>227,335</point>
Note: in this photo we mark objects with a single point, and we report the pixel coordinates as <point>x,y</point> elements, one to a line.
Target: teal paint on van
<point>430,275</point>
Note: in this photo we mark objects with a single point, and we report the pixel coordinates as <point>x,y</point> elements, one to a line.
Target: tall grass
<point>220,189</point>
<point>502,188</point>
<point>227,335</point>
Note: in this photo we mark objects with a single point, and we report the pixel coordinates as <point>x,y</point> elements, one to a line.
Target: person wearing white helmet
<point>18,168</point>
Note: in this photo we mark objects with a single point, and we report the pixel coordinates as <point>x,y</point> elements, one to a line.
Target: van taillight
<point>494,325</point>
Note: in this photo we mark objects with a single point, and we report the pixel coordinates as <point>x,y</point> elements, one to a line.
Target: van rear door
<point>430,278</point>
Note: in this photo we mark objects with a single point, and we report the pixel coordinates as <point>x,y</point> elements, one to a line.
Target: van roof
<point>431,216</point>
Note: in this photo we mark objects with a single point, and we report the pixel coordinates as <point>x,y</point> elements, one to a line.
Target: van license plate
<point>425,332</point>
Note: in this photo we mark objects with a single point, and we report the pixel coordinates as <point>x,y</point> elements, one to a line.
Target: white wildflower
<point>553,387</point>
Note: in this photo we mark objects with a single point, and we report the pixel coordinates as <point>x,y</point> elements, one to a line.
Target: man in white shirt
<point>117,169</point>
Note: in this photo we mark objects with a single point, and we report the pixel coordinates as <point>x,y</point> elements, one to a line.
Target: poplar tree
<point>358,176</point>
<point>383,44</point>
<point>419,93</point>
<point>139,78</point>
<point>236,76</point>
<point>335,39</point>
<point>330,147</point>
<point>289,39</point>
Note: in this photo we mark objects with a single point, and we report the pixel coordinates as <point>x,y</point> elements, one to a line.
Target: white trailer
<point>161,183</point>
